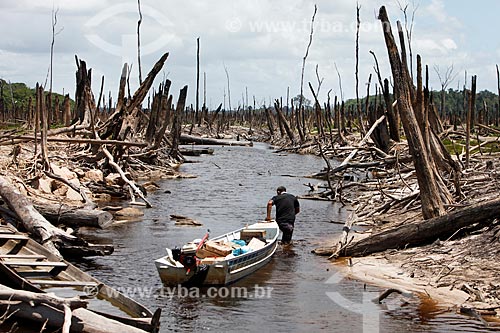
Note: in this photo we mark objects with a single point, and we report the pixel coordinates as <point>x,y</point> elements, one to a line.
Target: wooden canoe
<point>27,265</point>
<point>211,264</point>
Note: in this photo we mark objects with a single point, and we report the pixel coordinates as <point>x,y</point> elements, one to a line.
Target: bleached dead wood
<point>75,217</point>
<point>124,177</point>
<point>423,232</point>
<point>75,140</point>
<point>32,220</point>
<point>9,294</point>
<point>56,312</point>
<point>363,141</point>
<point>188,139</point>
<point>342,243</point>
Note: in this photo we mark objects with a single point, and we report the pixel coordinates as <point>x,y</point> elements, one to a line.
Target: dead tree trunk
<point>66,111</point>
<point>432,204</point>
<point>283,121</point>
<point>53,238</point>
<point>270,121</point>
<point>84,99</point>
<point>76,218</point>
<point>167,106</point>
<point>423,232</point>
<point>176,126</point>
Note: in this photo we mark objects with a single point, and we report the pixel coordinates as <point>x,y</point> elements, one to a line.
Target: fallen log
<point>419,233</point>
<point>53,238</point>
<point>22,138</point>
<point>9,294</point>
<point>57,312</point>
<point>75,218</point>
<point>190,139</point>
<point>362,165</point>
<point>31,219</point>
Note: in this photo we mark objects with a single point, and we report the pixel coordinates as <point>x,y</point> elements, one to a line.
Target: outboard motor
<point>189,261</point>
<point>176,254</point>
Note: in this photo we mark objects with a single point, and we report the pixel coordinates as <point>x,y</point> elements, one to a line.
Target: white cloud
<point>260,42</point>
<point>449,44</point>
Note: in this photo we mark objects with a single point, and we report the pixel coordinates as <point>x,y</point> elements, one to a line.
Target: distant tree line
<point>17,102</point>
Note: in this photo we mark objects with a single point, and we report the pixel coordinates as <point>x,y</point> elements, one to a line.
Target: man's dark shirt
<point>285,207</point>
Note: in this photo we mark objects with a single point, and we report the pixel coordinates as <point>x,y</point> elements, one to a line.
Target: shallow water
<point>296,292</point>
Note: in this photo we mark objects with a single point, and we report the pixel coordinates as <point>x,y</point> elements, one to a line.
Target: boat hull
<point>27,265</point>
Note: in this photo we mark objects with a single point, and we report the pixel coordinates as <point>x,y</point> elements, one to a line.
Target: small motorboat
<point>221,260</point>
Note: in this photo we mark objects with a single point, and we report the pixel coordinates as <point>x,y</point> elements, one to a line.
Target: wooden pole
<point>197,117</point>
<point>358,104</point>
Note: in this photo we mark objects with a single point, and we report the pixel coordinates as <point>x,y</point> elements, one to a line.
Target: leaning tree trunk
<point>53,238</point>
<point>283,121</point>
<point>432,204</point>
<point>32,220</point>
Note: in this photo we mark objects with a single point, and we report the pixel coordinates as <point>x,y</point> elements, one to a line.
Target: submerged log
<point>75,218</point>
<point>188,139</point>
<point>424,232</point>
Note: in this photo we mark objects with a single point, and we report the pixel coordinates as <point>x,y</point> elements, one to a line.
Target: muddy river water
<point>296,292</point>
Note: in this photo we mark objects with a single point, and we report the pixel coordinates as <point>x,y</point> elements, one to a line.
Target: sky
<point>259,45</point>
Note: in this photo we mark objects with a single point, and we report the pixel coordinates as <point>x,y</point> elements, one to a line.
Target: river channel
<point>296,292</point>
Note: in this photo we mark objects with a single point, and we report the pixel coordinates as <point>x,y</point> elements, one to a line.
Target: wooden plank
<point>5,230</point>
<point>15,237</point>
<point>23,256</point>
<point>35,263</point>
<point>35,274</point>
<point>60,283</point>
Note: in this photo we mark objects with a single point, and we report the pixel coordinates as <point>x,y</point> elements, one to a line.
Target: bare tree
<point>139,41</point>
<point>299,109</point>
<point>198,81</point>
<point>445,79</point>
<point>228,88</point>
<point>358,104</point>
<point>409,23</point>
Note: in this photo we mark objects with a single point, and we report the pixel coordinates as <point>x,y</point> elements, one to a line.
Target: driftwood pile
<point>58,174</point>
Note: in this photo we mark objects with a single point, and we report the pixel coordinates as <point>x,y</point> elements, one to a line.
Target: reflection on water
<point>232,189</point>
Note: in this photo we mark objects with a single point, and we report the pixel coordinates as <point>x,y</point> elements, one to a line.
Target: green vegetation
<point>458,146</point>
<point>19,95</point>
<point>454,101</point>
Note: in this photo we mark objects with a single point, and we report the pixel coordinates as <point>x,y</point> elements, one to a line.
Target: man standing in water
<point>287,206</point>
